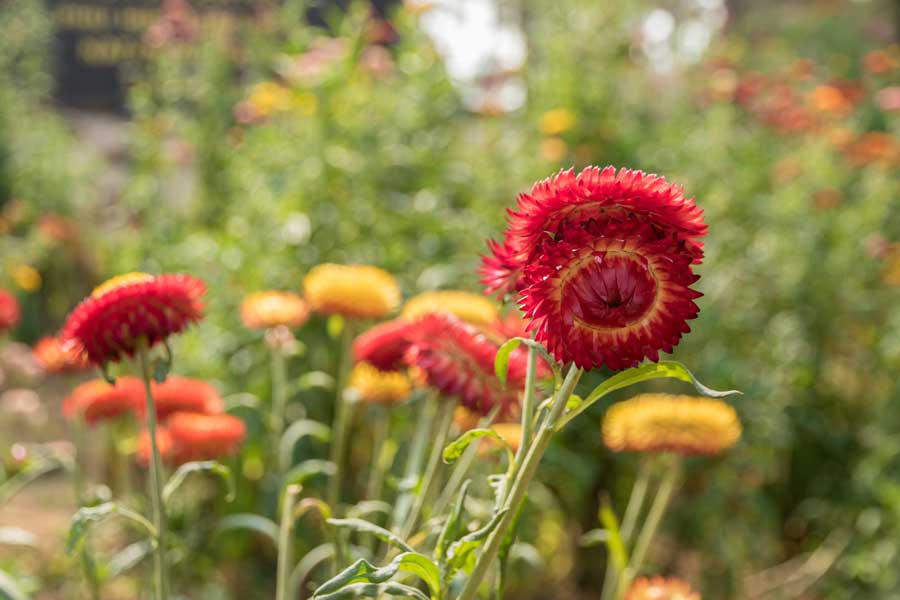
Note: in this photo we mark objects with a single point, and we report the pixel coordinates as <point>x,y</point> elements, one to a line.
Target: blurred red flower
<point>181,394</point>
<point>9,311</point>
<point>97,400</point>
<point>199,437</point>
<point>55,357</point>
<point>126,309</point>
<point>384,345</point>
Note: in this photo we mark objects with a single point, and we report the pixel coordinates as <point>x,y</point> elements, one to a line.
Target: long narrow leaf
<point>216,468</point>
<point>456,448</point>
<point>362,571</point>
<point>374,590</point>
<point>379,532</point>
<point>451,527</point>
<point>10,591</point>
<point>93,514</point>
<point>296,432</point>
<point>250,522</point>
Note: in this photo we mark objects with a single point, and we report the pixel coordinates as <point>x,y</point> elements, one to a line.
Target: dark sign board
<point>98,42</point>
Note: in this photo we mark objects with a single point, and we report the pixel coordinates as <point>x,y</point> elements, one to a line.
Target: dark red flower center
<point>609,290</point>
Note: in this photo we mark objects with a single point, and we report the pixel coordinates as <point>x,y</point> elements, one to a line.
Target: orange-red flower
<point>181,394</point>
<point>661,588</point>
<point>267,309</point>
<point>603,261</point>
<point>9,311</point>
<point>198,437</point>
<point>384,345</point>
<point>97,400</point>
<point>127,309</point>
<point>457,359</point>
<point>55,357</point>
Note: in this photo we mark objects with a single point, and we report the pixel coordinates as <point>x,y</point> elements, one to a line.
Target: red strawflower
<point>384,345</point>
<point>126,309</point>
<point>181,394</point>
<point>458,359</point>
<point>200,437</point>
<point>54,357</point>
<point>9,311</point>
<point>594,195</point>
<point>603,262</point>
<point>97,400</point>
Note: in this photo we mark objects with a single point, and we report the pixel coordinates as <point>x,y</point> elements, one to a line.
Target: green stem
<point>285,553</point>
<point>632,511</point>
<point>528,406</point>
<point>416,455</point>
<point>78,479</point>
<point>516,495</point>
<point>443,422</point>
<point>341,417</point>
<point>651,525</point>
<point>279,404</point>
<point>156,501</point>
<point>381,421</point>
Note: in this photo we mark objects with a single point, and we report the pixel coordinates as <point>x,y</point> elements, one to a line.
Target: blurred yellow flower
<point>557,121</point>
<point>667,423</point>
<point>267,97</point>
<point>465,419</point>
<point>473,308</point>
<point>27,278</point>
<point>553,149</point>
<point>262,310</point>
<point>354,291</point>
<point>379,387</point>
<point>830,100</point>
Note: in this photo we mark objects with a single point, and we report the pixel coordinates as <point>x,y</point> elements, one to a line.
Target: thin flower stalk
<point>341,415</point>
<point>78,479</point>
<point>156,500</point>
<point>279,403</point>
<point>381,421</point>
<point>285,554</point>
<point>629,521</point>
<point>416,455</point>
<point>516,496</point>
<point>528,407</point>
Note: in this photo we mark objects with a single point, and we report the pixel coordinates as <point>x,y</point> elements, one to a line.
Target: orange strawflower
<point>472,308</point>
<point>200,437</point>
<point>181,394</point>
<point>354,291</point>
<point>661,588</point>
<point>874,147</point>
<point>97,400</point>
<point>263,310</point>
<point>667,423</point>
<point>54,357</point>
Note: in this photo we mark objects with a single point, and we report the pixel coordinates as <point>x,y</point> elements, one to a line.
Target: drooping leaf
<point>594,537</point>
<point>308,469</point>
<point>296,432</point>
<point>216,468</point>
<point>379,532</point>
<point>10,591</point>
<point>662,369</point>
<point>617,551</point>
<point>16,536</point>
<point>460,550</point>
<point>250,522</point>
<point>307,564</point>
<point>374,590</point>
<point>309,504</point>
<point>128,557</point>
<point>369,507</point>
<point>501,362</point>
<point>456,448</point>
<point>315,379</point>
<point>451,528</point>
<point>362,571</point>
<point>93,514</point>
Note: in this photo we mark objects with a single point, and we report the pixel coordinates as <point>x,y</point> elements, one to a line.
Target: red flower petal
<point>9,311</point>
<point>97,400</point>
<point>384,345</point>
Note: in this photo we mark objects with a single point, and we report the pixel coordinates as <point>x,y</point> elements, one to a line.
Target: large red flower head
<point>198,437</point>
<point>9,311</point>
<point>181,394</point>
<point>129,308</point>
<point>458,359</point>
<point>97,400</point>
<point>56,357</point>
<point>602,262</point>
<point>384,345</point>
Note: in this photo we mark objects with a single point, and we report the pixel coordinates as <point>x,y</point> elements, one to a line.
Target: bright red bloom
<point>384,345</point>
<point>112,321</point>
<point>598,195</point>
<point>97,400</point>
<point>9,311</point>
<point>603,262</point>
<point>181,394</point>
<point>54,357</point>
<point>458,359</point>
<point>200,437</point>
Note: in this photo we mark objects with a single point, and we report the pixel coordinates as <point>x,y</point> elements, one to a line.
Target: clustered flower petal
<point>182,394</point>
<point>132,309</point>
<point>384,345</point>
<point>9,311</point>
<point>55,357</point>
<point>667,423</point>
<point>661,588</point>
<point>375,386</point>
<point>602,263</point>
<point>354,291</point>
<point>469,307</point>
<point>458,359</point>
<point>190,436</point>
<point>96,400</point>
<point>264,310</point>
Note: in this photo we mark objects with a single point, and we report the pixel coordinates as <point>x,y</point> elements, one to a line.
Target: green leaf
<point>10,591</point>
<point>362,571</point>
<point>614,542</point>
<point>186,469</point>
<point>671,369</point>
<point>374,590</point>
<point>308,504</point>
<point>594,537</point>
<point>250,522</point>
<point>307,565</point>
<point>16,536</point>
<point>335,326</point>
<point>93,514</point>
<point>501,362</point>
<point>379,532</point>
<point>451,527</point>
<point>369,507</point>
<point>459,551</point>
<point>296,432</point>
<point>128,557</point>
<point>456,448</point>
<point>308,469</point>
<point>314,379</point>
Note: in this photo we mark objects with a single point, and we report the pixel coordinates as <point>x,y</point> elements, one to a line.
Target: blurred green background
<point>257,149</point>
